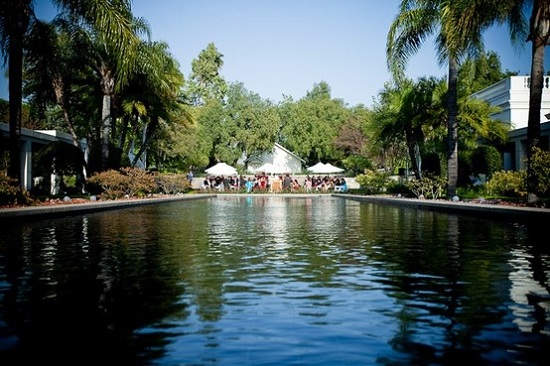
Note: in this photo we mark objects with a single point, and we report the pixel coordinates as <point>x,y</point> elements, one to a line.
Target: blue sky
<point>284,47</point>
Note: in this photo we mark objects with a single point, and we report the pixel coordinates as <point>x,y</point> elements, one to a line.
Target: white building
<point>278,160</point>
<point>31,141</point>
<point>511,95</point>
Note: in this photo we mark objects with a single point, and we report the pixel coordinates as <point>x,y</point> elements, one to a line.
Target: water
<point>274,281</point>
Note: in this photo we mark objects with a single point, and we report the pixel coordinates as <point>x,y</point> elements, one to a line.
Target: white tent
<point>333,169</point>
<point>315,168</point>
<point>221,169</point>
<point>321,168</point>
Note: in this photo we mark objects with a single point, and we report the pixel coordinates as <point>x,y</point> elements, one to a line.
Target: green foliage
<point>373,182</point>
<point>60,158</point>
<point>205,81</point>
<point>399,187</point>
<point>357,164</point>
<point>508,183</point>
<point>486,160</point>
<point>311,125</point>
<point>11,193</point>
<point>126,182</point>
<point>173,183</point>
<point>428,187</point>
<point>540,163</point>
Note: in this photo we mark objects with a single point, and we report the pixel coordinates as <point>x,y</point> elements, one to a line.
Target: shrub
<point>140,182</point>
<point>112,183</point>
<point>428,187</point>
<point>11,193</point>
<point>373,182</point>
<point>486,160</point>
<point>395,187</point>
<point>508,183</point>
<point>131,182</point>
<point>540,163</point>
<point>173,183</point>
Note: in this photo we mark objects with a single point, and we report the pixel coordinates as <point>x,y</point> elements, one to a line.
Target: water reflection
<point>273,280</point>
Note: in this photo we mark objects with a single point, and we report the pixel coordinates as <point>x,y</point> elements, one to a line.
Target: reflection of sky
<point>279,222</point>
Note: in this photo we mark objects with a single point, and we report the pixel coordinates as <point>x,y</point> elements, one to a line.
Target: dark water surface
<point>274,281</point>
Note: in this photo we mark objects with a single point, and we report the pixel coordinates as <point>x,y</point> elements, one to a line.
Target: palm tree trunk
<point>105,131</point>
<point>15,89</point>
<point>533,122</point>
<point>452,134</point>
<point>20,13</point>
<point>539,35</point>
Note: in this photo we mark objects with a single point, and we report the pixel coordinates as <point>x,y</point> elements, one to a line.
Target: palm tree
<point>537,32</point>
<point>15,16</point>
<point>156,85</point>
<point>110,18</point>
<point>458,25</point>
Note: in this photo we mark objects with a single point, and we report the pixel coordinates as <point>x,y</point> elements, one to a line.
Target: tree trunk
<point>452,135</point>
<point>17,27</point>
<point>149,130</point>
<point>59,90</point>
<point>539,33</point>
<point>105,131</point>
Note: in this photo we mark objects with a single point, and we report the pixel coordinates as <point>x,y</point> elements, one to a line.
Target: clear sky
<point>284,47</point>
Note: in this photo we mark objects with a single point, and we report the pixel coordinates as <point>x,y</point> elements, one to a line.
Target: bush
<point>173,183</point>
<point>486,160</point>
<point>428,187</point>
<point>395,187</point>
<point>508,183</point>
<point>11,193</point>
<point>540,163</point>
<point>130,182</point>
<point>373,182</point>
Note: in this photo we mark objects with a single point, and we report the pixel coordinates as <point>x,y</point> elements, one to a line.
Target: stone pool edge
<point>40,212</point>
<point>473,209</point>
<point>478,209</point>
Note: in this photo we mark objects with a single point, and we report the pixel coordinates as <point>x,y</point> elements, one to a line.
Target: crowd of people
<point>265,183</point>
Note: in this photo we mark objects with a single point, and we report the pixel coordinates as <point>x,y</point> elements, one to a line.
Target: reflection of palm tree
<point>539,293</point>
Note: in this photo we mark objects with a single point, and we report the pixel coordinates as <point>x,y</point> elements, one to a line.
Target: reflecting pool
<point>266,280</point>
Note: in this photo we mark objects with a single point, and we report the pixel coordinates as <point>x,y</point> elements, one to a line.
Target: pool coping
<point>40,212</point>
<point>485,210</point>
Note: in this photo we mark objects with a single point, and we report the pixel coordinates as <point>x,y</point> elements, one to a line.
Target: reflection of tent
<point>221,169</point>
<point>321,168</point>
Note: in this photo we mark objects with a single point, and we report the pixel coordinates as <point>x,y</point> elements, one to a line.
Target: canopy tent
<point>315,168</point>
<point>321,168</point>
<point>221,169</point>
<point>333,169</point>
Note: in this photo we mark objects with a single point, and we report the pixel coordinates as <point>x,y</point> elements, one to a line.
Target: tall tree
<point>536,31</point>
<point>108,17</point>
<point>15,17</point>
<point>458,26</point>
<point>256,120</point>
<point>310,126</point>
<point>205,81</point>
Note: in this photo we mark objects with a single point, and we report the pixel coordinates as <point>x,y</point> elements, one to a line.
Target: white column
<point>26,164</point>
